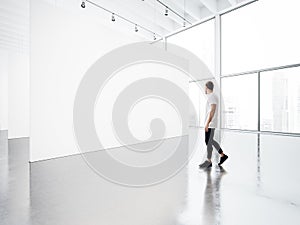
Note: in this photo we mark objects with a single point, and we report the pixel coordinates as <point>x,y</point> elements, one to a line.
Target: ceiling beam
<point>211,5</point>
<point>125,11</point>
<point>192,10</point>
<point>159,8</point>
<point>146,11</point>
<point>232,2</point>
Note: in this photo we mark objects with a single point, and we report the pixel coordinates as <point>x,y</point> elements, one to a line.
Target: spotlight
<point>113,17</point>
<point>83,4</point>
<point>136,28</point>
<point>184,23</point>
<point>154,36</point>
<point>166,11</point>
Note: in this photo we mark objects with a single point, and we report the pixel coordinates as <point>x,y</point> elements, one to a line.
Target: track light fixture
<point>137,27</point>
<point>113,17</point>
<point>184,23</point>
<point>166,11</point>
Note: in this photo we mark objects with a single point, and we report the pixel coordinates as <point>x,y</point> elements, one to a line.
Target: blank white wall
<point>144,111</point>
<point>14,93</point>
<point>18,95</point>
<point>64,44</point>
<point>14,67</point>
<point>3,91</point>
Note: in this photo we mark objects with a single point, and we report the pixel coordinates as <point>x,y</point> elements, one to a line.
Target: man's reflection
<point>212,195</point>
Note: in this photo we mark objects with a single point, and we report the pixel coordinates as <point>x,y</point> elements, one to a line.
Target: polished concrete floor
<point>259,184</point>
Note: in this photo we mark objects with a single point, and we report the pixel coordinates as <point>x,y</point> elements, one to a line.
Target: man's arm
<point>211,115</point>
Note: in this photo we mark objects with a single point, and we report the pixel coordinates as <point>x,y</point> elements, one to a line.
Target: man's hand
<point>211,115</point>
<point>206,128</point>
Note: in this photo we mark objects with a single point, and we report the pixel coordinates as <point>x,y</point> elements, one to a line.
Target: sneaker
<point>222,159</point>
<point>207,164</point>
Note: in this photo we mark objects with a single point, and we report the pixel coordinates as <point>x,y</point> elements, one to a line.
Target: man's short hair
<point>210,85</point>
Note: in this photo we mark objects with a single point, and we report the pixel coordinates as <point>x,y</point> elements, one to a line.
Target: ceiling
<point>150,14</point>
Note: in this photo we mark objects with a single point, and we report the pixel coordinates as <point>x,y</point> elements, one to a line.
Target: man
<point>210,125</point>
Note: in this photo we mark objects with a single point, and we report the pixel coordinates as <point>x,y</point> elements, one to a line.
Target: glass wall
<point>261,35</point>
<point>198,99</point>
<point>257,36</point>
<point>195,97</point>
<point>199,40</point>
<point>240,97</point>
<point>280,100</point>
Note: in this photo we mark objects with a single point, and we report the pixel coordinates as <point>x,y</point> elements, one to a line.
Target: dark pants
<point>210,142</point>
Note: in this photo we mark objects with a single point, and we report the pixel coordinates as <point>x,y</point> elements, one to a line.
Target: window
<point>199,40</point>
<point>263,34</point>
<point>280,100</point>
<point>198,99</point>
<point>239,95</point>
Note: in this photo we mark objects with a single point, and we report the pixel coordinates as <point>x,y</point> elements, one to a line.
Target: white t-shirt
<point>212,98</point>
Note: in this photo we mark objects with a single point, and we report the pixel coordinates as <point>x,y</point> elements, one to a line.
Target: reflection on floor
<point>259,184</point>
